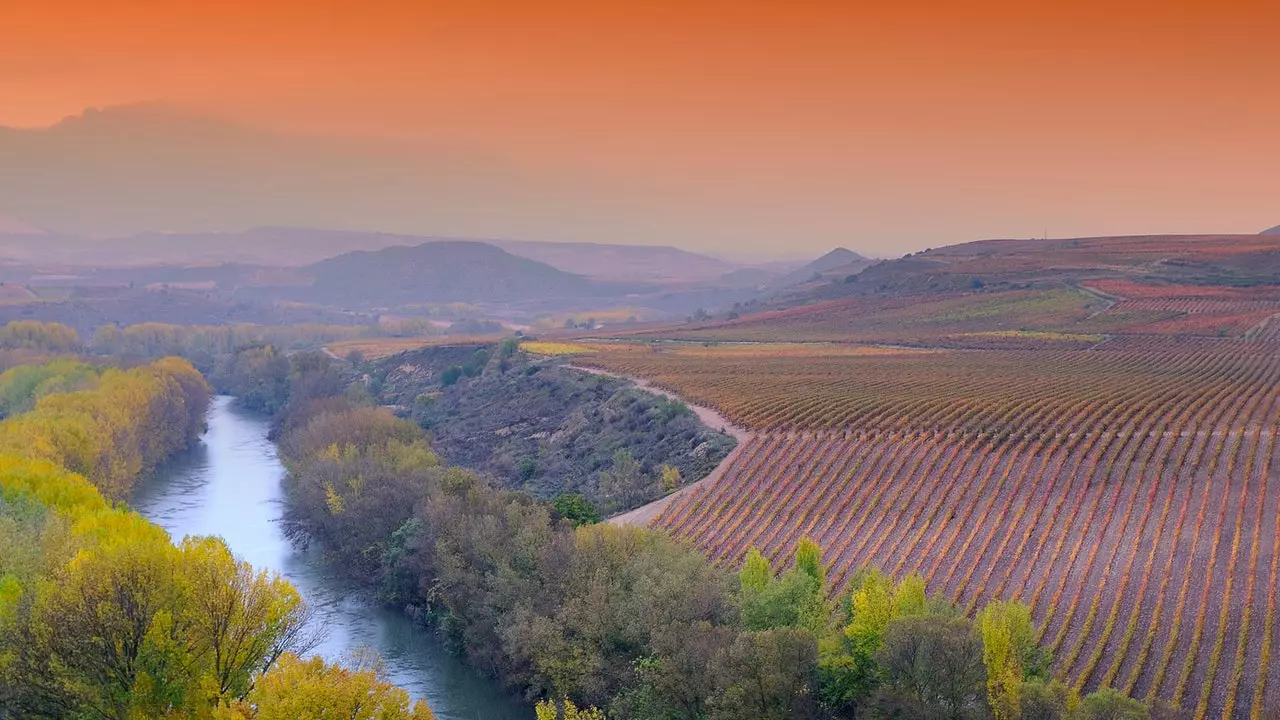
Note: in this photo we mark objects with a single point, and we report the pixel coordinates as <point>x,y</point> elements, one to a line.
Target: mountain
<point>622,263</point>
<point>840,258</point>
<point>1273,231</point>
<point>297,246</point>
<point>446,271</point>
<point>130,169</point>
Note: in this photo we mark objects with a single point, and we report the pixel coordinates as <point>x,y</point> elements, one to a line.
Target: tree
<point>451,375</point>
<point>625,485</point>
<point>1109,704</point>
<point>931,667</point>
<point>768,675</point>
<point>670,479</point>
<point>107,635</point>
<point>576,509</point>
<point>243,620</point>
<point>1047,701</point>
<point>1010,653</point>
<point>756,574</point>
<point>876,601</point>
<point>313,690</point>
<point>795,599</point>
<point>565,710</point>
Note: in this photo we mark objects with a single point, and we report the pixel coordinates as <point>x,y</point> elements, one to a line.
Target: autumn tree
<point>1010,653</point>
<point>312,689</point>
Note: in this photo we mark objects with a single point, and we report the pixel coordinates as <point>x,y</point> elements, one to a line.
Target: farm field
<point>1112,460</point>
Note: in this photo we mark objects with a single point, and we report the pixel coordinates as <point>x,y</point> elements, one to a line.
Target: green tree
<point>931,668</point>
<point>576,509</point>
<point>1053,700</point>
<point>768,675</point>
<point>797,598</point>
<point>1109,704</point>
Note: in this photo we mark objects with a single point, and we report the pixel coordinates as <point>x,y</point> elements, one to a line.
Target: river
<point>230,485</point>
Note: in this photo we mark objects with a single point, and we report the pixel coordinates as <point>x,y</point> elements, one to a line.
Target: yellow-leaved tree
<point>297,689</point>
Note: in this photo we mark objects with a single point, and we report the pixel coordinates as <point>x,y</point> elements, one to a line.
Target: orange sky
<point>885,125</point>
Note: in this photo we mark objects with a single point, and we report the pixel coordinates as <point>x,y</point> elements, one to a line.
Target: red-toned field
<point>1104,449</point>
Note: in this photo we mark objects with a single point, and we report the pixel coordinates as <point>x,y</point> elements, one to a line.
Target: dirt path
<point>645,514</point>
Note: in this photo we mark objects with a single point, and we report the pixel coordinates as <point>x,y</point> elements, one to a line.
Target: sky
<point>751,126</point>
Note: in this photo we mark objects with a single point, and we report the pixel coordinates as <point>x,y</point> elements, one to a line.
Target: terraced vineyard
<point>1130,494</point>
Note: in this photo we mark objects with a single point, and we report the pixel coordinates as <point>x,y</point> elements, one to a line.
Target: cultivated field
<point>1109,456</point>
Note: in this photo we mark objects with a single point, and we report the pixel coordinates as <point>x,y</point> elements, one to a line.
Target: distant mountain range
<point>124,170</point>
<point>296,247</point>
<point>1273,231</point>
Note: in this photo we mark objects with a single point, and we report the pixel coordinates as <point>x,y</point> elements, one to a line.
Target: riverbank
<point>646,514</point>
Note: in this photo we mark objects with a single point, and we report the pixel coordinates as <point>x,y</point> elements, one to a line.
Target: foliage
<point>123,426</point>
<point>49,337</point>
<point>102,617</point>
<point>576,509</point>
<point>203,345</point>
<point>1010,653</point>
<point>566,710</point>
<point>22,386</point>
<point>1109,704</point>
<point>314,690</point>
<point>931,667</point>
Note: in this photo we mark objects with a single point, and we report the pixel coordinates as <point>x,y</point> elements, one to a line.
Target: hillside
<point>447,271</point>
<point>1021,292</point>
<point>544,429</point>
<point>1273,231</point>
<point>1087,425</point>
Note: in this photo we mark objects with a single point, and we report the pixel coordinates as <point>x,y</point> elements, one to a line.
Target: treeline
<point>203,344</point>
<point>634,623</point>
<point>101,616</point>
<point>33,335</point>
<point>125,425</point>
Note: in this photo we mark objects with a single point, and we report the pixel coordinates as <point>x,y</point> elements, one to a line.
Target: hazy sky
<point>883,125</point>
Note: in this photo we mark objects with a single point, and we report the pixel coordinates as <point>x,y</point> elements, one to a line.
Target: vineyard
<point>1102,448</point>
<point>1131,496</point>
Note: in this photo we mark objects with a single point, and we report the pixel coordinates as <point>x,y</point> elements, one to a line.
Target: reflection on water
<point>229,485</point>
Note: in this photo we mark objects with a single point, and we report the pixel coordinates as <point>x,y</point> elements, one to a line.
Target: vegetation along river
<point>230,485</point>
